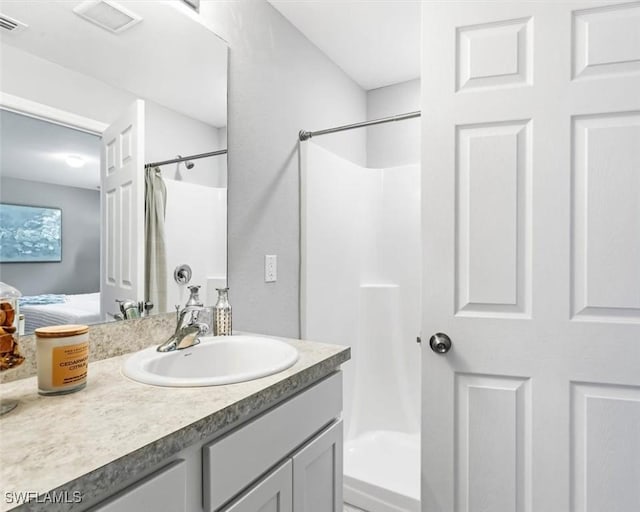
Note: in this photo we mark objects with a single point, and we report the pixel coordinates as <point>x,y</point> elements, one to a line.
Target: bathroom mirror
<point>90,90</point>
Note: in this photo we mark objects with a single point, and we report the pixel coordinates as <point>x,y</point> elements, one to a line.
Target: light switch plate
<point>270,268</point>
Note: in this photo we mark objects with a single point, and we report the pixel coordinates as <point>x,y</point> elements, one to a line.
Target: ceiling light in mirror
<point>75,161</point>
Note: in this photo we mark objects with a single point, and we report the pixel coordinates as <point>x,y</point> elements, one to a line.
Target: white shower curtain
<point>155,240</point>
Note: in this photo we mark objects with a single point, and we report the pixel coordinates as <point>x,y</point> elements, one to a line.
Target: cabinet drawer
<point>165,489</point>
<point>233,462</point>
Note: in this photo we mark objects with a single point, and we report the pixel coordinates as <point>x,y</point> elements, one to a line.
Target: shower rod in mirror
<point>304,135</point>
<point>185,158</point>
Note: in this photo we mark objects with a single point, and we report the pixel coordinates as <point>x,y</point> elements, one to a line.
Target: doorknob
<point>440,343</point>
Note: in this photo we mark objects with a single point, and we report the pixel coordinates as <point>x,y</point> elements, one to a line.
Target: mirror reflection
<point>112,156</point>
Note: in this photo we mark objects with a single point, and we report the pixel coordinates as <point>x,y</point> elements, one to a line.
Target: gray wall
<point>79,270</point>
<point>393,144</point>
<point>279,83</point>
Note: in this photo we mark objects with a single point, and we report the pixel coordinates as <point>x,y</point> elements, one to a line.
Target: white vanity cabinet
<point>287,459</point>
<point>304,429</point>
<point>310,480</point>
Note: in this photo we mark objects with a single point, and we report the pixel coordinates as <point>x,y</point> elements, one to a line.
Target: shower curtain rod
<point>185,158</point>
<point>304,135</point>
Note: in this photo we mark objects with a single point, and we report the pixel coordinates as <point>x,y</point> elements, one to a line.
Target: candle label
<point>69,364</point>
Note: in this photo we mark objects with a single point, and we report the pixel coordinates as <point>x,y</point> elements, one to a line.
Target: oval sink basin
<point>216,360</point>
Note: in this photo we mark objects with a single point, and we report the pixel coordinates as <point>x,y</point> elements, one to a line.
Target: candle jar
<point>62,354</point>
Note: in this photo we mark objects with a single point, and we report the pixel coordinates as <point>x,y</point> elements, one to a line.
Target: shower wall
<point>361,283</point>
<point>196,233</point>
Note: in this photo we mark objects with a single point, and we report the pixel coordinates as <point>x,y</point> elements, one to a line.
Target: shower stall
<point>360,286</point>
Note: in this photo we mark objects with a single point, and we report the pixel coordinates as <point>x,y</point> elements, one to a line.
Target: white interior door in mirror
<point>122,210</point>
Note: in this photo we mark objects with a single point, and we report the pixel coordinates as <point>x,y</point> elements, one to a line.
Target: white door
<point>531,233</point>
<point>122,205</point>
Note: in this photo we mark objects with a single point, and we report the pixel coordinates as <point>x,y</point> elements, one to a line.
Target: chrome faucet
<point>192,322</point>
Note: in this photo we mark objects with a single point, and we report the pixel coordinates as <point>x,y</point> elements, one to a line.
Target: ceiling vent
<point>8,24</point>
<point>107,15</point>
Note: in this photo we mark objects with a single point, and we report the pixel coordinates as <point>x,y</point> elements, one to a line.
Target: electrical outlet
<point>270,268</point>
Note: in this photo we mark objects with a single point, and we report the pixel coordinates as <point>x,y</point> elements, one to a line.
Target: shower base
<point>382,472</point>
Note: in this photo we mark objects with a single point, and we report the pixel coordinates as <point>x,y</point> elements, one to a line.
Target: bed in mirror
<point>113,125</point>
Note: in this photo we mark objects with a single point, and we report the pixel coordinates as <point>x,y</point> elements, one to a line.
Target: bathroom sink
<point>216,360</point>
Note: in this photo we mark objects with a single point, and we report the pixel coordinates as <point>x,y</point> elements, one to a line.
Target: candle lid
<point>61,331</point>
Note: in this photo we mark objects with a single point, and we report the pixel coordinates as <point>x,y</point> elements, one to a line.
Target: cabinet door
<point>317,473</point>
<point>273,493</point>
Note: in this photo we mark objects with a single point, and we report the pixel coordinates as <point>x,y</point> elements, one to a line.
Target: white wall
<point>279,83</point>
<point>168,132</point>
<point>397,143</point>
<point>36,79</point>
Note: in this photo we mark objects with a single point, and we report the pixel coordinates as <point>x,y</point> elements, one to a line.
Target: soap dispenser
<point>222,314</point>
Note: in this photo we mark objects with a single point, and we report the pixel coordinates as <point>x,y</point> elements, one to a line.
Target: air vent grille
<point>107,14</point>
<point>8,24</point>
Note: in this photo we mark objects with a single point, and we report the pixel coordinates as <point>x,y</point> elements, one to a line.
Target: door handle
<point>440,343</point>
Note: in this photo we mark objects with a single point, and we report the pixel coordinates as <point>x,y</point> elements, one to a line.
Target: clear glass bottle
<point>10,356</point>
<point>222,314</point>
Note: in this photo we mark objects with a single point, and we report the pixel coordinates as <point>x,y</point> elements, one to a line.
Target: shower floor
<point>382,472</point>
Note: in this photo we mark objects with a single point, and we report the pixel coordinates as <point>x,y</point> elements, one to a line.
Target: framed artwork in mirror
<point>30,234</point>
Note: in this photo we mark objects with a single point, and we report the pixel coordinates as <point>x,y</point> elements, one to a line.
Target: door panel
<point>494,54</point>
<point>606,217</point>
<point>605,421</point>
<point>605,40</point>
<point>493,434</point>
<point>493,232</point>
<point>531,244</point>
